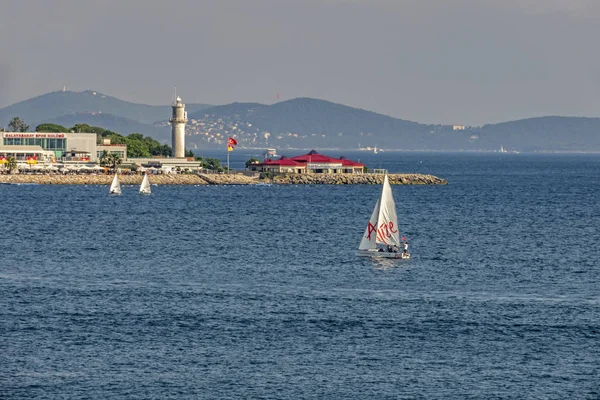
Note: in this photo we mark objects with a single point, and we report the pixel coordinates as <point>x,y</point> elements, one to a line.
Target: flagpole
<point>227,156</point>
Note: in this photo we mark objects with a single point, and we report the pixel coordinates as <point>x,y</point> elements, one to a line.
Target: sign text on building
<point>29,135</point>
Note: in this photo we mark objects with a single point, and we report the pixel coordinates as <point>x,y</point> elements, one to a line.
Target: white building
<point>27,154</point>
<point>72,146</point>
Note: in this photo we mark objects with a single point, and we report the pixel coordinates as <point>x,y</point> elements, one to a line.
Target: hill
<point>543,134</point>
<point>312,123</point>
<point>304,123</point>
<point>55,104</point>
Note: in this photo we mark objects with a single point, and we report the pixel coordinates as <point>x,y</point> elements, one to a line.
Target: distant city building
<point>312,162</point>
<point>178,120</point>
<point>458,127</point>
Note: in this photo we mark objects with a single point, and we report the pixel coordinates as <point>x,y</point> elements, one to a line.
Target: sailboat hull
<point>382,254</point>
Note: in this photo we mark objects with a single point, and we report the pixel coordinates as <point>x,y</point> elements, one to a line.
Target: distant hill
<point>311,123</point>
<point>55,104</point>
<point>304,123</point>
<point>543,134</point>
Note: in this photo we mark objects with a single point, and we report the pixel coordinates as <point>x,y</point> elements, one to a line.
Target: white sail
<point>145,186</point>
<point>387,222</point>
<point>368,240</point>
<point>115,186</point>
<point>383,224</point>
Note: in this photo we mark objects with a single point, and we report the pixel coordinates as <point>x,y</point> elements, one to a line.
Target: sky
<point>466,62</point>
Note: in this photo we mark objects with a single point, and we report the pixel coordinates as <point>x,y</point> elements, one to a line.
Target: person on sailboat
<point>395,249</point>
<point>405,248</point>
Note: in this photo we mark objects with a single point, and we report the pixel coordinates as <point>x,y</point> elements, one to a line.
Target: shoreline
<point>225,179</point>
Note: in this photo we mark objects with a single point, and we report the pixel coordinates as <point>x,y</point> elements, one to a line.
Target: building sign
<point>30,135</point>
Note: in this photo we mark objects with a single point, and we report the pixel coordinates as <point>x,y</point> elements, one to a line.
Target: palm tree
<point>104,158</point>
<point>11,164</point>
<point>114,160</point>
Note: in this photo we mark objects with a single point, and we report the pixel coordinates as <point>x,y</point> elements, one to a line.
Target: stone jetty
<point>226,179</point>
<point>358,179</point>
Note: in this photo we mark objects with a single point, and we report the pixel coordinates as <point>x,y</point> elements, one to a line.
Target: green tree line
<point>138,145</point>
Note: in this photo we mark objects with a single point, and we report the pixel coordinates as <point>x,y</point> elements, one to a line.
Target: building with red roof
<point>312,162</point>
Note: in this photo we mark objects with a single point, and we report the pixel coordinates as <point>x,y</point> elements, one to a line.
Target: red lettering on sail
<point>385,232</point>
<point>392,228</point>
<point>371,229</point>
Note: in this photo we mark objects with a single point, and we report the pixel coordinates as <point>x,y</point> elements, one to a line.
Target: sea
<point>232,292</point>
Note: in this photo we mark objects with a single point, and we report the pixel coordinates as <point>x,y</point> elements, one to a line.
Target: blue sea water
<point>255,291</point>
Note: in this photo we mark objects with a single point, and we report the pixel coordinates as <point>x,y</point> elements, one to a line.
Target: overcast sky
<point>433,61</point>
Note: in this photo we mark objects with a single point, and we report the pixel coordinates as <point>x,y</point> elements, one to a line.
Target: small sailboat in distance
<point>382,235</point>
<point>145,186</point>
<point>115,186</point>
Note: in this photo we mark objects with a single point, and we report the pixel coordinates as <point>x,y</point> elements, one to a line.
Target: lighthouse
<point>178,121</point>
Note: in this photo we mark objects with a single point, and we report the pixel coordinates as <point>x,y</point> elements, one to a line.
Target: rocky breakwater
<point>229,179</point>
<point>57,179</point>
<point>358,179</point>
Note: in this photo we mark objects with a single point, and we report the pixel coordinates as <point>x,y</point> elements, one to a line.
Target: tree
<point>114,160</point>
<point>104,158</point>
<point>252,161</point>
<point>17,125</point>
<point>51,128</point>
<point>78,128</point>
<point>212,163</point>
<point>189,153</point>
<point>11,164</point>
<point>136,148</point>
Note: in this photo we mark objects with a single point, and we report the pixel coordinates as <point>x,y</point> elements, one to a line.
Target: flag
<point>231,142</point>
<point>229,148</point>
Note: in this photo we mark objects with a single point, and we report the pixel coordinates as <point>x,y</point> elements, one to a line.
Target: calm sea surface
<point>255,292</point>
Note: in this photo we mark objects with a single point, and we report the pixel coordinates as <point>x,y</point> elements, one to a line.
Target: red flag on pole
<point>231,141</point>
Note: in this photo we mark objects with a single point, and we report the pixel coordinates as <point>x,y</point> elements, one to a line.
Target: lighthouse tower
<point>178,121</point>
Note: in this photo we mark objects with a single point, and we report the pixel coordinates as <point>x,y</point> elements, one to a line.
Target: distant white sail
<point>115,186</point>
<point>145,186</point>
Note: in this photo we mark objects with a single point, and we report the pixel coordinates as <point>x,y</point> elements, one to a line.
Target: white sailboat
<point>382,232</point>
<point>145,186</point>
<point>115,186</point>
<point>502,149</point>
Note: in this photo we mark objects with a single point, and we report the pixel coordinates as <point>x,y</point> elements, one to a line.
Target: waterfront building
<point>63,144</point>
<point>27,154</point>
<point>312,162</point>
